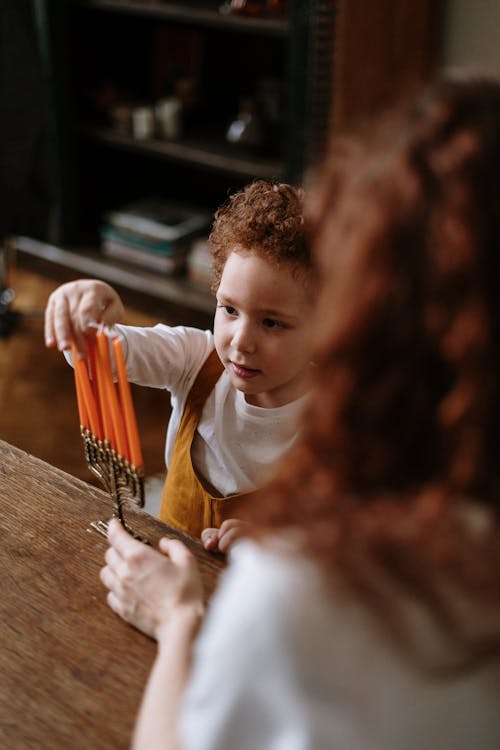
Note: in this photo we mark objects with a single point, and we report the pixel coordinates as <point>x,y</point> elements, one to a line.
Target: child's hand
<point>220,540</point>
<point>71,309</point>
<point>148,589</point>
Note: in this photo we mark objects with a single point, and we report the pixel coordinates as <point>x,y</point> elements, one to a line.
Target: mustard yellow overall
<point>185,503</point>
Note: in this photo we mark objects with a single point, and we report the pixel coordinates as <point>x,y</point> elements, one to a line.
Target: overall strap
<point>185,502</point>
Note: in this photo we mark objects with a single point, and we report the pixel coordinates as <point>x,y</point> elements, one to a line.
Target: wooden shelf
<point>211,155</point>
<point>89,263</point>
<point>192,12</point>
<point>329,64</point>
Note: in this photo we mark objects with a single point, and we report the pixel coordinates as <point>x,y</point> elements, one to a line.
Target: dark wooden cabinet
<point>318,63</point>
<point>110,56</point>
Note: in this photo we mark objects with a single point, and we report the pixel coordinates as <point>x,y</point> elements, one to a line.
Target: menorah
<point>108,425</point>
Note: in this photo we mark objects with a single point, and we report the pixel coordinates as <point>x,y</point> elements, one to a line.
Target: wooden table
<point>71,672</point>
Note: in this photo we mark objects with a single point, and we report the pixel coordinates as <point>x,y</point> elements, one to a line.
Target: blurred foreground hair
<point>397,472</point>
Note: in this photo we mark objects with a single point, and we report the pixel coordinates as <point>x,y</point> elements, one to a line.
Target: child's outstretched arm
<point>72,307</point>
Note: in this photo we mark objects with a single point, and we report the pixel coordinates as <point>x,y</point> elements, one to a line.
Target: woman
<point>366,612</point>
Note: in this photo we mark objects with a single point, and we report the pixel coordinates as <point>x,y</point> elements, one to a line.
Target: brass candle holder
<point>121,479</point>
<point>108,426</point>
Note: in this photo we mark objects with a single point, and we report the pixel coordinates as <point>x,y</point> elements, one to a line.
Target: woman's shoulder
<point>279,620</point>
<point>280,582</point>
<point>276,561</point>
<point>268,599</point>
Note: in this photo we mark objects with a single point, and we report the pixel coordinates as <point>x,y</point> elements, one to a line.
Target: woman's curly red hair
<point>403,427</point>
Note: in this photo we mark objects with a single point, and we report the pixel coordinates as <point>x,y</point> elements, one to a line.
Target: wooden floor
<point>37,396</point>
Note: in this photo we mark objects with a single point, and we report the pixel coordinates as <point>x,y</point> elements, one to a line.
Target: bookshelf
<point>322,61</point>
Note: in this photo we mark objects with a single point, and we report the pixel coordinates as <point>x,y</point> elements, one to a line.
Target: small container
<point>168,117</point>
<point>247,129</point>
<point>143,123</point>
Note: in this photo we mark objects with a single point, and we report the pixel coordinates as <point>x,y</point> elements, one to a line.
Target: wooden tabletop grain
<point>71,672</point>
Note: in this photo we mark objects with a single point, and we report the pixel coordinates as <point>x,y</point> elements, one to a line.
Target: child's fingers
<point>113,312</point>
<point>222,539</point>
<point>48,325</point>
<point>97,304</point>
<point>59,321</point>
<point>229,537</point>
<point>61,326</point>
<point>80,343</point>
<point>230,531</point>
<point>210,539</point>
<point>73,309</point>
<point>85,311</point>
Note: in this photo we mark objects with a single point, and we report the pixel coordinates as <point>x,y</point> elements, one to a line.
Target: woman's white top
<point>281,664</point>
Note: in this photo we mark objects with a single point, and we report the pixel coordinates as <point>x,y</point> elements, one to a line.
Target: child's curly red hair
<point>266,218</point>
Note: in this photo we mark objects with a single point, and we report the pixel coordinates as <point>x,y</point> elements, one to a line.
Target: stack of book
<point>153,233</point>
<point>199,264</point>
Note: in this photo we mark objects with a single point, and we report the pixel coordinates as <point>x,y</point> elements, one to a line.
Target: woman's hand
<point>147,588</point>
<point>72,309</point>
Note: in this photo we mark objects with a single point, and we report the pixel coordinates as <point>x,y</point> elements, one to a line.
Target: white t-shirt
<point>281,665</point>
<point>236,444</point>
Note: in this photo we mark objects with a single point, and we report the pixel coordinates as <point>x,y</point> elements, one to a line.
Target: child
<point>236,394</point>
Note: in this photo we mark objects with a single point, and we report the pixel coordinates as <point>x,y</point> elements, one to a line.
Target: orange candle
<point>107,422</point>
<point>107,387</point>
<point>88,397</point>
<point>91,349</point>
<point>90,342</point>
<point>127,405</point>
<point>82,412</point>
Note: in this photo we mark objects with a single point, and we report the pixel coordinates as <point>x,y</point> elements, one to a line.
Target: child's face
<point>262,329</point>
